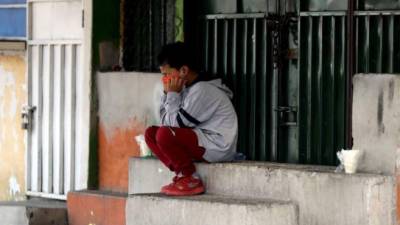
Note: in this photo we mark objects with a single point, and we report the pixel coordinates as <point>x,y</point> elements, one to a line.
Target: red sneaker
<point>188,185</point>
<point>174,180</point>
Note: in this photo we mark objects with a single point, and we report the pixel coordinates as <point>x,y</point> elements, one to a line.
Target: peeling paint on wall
<point>374,114</point>
<point>125,96</point>
<point>128,103</point>
<point>12,137</point>
<point>91,209</point>
<point>114,153</point>
<point>14,188</point>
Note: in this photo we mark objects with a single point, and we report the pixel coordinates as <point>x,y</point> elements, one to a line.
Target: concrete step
<point>149,209</point>
<point>323,196</point>
<point>96,208</point>
<point>35,211</point>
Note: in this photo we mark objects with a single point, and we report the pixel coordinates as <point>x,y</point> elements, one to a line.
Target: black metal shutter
<point>147,26</point>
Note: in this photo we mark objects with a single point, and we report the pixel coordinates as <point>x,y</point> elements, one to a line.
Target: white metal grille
<point>55,73</point>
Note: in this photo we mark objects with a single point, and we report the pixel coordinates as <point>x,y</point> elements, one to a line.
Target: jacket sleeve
<point>197,107</point>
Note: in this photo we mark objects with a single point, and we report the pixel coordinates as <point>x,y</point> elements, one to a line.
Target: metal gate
<point>337,40</point>
<point>53,116</point>
<point>290,65</point>
<point>322,64</point>
<point>257,55</point>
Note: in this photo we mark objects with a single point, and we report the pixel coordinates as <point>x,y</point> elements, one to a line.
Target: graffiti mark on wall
<point>14,188</point>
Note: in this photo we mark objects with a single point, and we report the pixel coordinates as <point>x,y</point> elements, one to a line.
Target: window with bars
<point>147,26</point>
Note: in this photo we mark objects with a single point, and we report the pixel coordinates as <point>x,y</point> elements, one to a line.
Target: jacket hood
<point>220,85</point>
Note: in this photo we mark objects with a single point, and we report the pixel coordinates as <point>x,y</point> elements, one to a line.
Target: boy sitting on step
<point>198,121</point>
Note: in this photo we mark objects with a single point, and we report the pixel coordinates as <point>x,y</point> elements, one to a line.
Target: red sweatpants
<point>177,148</point>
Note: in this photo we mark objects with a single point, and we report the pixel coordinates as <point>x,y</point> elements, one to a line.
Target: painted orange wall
<point>127,105</point>
<point>12,142</point>
<point>115,149</point>
<point>85,208</point>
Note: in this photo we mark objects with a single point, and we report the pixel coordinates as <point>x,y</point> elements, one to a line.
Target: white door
<point>56,88</point>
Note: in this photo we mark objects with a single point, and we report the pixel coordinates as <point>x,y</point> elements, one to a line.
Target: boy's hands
<point>171,79</point>
<point>174,84</point>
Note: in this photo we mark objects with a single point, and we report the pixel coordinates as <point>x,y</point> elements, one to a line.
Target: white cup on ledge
<point>351,160</point>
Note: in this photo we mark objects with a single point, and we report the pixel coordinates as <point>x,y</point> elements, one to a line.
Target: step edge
<point>100,193</point>
<point>307,169</point>
<point>215,198</point>
<point>26,204</point>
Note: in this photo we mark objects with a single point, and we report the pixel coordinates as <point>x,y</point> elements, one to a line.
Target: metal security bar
<point>238,46</point>
<point>249,51</point>
<point>293,86</point>
<point>51,158</point>
<point>377,45</point>
<point>55,98</point>
<point>322,86</point>
<point>148,25</point>
<point>324,40</point>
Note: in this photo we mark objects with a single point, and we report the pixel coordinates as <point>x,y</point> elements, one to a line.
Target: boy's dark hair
<point>177,55</point>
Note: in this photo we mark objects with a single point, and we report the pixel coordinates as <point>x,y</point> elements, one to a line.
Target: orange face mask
<point>166,78</point>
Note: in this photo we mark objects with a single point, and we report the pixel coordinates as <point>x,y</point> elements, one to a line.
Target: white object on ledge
<point>144,149</point>
<point>351,160</point>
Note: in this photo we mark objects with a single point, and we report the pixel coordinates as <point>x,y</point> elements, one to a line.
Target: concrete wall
<point>323,196</point>
<point>376,120</point>
<point>376,124</point>
<point>127,103</point>
<point>12,141</point>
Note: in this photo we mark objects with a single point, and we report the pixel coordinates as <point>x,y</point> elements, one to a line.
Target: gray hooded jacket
<point>205,107</point>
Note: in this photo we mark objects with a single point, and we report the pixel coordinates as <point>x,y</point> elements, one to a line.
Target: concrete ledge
<point>208,210</point>
<point>13,215</point>
<point>323,197</point>
<point>34,212</point>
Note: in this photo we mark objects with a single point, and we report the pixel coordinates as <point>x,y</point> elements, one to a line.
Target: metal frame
<point>322,64</point>
<point>350,73</point>
<point>274,26</point>
<point>331,48</point>
<point>235,16</point>
<point>64,177</point>
<point>148,26</point>
<point>12,6</point>
<point>46,195</point>
<point>370,34</point>
<point>12,39</point>
<point>352,62</point>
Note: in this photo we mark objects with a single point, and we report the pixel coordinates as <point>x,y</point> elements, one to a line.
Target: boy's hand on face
<point>172,79</point>
<point>175,84</point>
<point>165,84</point>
